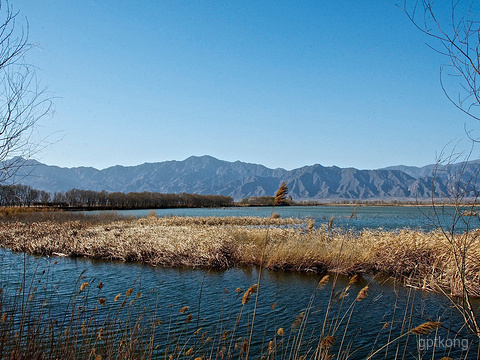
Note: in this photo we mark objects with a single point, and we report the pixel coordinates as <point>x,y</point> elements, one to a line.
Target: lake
<point>359,327</point>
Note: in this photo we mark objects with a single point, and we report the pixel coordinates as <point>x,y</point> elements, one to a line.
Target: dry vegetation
<point>422,259</point>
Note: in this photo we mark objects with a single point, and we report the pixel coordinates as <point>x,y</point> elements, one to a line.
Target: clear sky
<point>281,83</point>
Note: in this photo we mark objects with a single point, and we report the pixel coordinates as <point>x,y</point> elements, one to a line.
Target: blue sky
<point>281,83</point>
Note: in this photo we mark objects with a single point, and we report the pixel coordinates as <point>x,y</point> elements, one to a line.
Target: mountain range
<point>208,175</point>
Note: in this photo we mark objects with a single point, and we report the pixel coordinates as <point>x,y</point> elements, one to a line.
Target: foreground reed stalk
<point>280,197</point>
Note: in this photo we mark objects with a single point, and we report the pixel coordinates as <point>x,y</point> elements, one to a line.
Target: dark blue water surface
<point>360,327</point>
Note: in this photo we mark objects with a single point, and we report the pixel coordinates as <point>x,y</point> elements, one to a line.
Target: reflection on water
<point>364,325</point>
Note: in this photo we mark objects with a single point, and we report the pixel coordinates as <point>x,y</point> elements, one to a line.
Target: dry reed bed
<point>422,259</point>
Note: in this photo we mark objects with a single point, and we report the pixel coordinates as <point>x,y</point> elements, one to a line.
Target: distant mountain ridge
<point>208,175</point>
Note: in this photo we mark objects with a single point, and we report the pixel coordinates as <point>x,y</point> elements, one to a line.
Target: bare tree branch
<point>457,37</point>
<point>22,102</point>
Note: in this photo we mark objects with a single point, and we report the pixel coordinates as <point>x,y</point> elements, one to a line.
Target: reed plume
<point>354,279</point>
<point>362,294</point>
<point>83,286</point>
<point>271,347</point>
<point>328,342</point>
<point>426,327</point>
<point>244,345</point>
<point>323,281</point>
<point>251,290</point>
<point>298,320</point>
<point>183,309</point>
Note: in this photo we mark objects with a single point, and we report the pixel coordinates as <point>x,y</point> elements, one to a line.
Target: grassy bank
<point>421,259</point>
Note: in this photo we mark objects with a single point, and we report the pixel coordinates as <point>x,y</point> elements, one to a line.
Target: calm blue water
<point>362,217</point>
<point>215,306</point>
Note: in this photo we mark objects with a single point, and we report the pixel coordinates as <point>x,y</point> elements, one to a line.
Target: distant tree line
<point>22,195</point>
